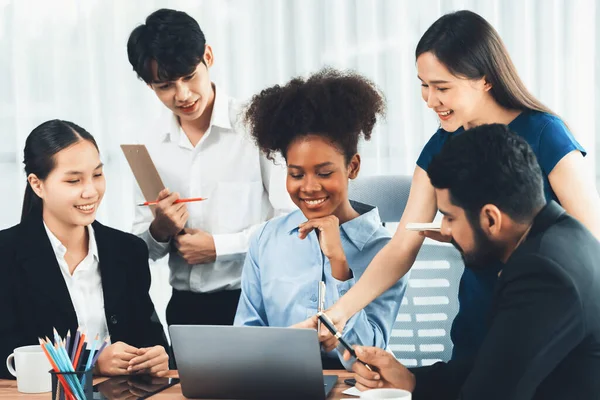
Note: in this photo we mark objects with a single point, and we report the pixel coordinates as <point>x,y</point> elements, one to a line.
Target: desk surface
<point>8,389</point>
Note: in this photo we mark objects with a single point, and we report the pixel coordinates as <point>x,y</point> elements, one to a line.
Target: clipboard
<point>144,170</point>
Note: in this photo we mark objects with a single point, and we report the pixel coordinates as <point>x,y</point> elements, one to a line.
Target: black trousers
<point>331,363</point>
<point>189,308</point>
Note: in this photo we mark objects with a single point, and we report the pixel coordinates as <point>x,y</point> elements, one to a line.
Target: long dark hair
<point>469,46</point>
<point>40,147</point>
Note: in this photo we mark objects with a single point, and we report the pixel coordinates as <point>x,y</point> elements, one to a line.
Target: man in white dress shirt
<point>200,150</point>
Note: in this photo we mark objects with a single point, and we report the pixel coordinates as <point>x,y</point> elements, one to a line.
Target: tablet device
<point>425,226</point>
<point>144,170</point>
<point>131,387</point>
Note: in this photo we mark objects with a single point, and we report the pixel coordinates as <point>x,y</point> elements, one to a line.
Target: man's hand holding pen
<point>385,372</point>
<point>194,245</point>
<point>169,217</point>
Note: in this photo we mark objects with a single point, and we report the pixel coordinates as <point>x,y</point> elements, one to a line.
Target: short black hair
<point>171,38</point>
<point>337,105</point>
<point>490,164</point>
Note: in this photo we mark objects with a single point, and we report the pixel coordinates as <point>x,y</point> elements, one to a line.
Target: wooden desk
<point>8,389</point>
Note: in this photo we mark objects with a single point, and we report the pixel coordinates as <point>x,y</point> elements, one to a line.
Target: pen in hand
<point>331,327</point>
<point>321,303</point>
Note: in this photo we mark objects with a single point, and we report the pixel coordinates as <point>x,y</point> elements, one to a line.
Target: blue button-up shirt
<point>281,275</point>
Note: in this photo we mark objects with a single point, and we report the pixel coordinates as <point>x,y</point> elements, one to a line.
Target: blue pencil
<point>63,357</point>
<point>90,357</point>
<point>106,341</point>
<point>64,367</point>
<point>57,338</point>
<point>92,351</point>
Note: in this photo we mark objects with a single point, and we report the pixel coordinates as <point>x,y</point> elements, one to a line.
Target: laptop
<point>236,362</point>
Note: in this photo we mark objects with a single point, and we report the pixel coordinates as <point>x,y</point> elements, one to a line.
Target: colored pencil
<point>62,360</point>
<point>90,357</point>
<point>152,203</point>
<point>78,353</point>
<point>68,341</point>
<point>57,338</point>
<point>75,385</point>
<point>92,351</point>
<point>76,362</point>
<point>75,344</point>
<point>106,341</point>
<point>66,388</point>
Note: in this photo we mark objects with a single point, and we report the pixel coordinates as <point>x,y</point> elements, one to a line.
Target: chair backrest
<point>389,193</point>
<point>421,334</point>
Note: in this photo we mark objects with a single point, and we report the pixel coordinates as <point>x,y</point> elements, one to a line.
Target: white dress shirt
<point>84,286</point>
<point>244,189</point>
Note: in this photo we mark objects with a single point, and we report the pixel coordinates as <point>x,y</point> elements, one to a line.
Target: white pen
<point>321,302</point>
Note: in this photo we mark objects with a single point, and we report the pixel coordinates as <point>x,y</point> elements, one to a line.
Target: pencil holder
<point>79,384</point>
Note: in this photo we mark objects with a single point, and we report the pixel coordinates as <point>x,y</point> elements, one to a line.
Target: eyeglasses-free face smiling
<point>457,101</point>
<point>317,179</point>
<point>73,190</point>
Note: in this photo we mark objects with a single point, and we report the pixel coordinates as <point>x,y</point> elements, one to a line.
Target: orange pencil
<point>55,368</point>
<point>152,203</point>
<point>76,359</point>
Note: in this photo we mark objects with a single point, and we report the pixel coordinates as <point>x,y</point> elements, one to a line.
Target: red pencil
<point>152,203</point>
<point>78,353</point>
<point>65,386</point>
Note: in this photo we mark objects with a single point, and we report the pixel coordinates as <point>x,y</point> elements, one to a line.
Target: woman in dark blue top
<point>468,79</point>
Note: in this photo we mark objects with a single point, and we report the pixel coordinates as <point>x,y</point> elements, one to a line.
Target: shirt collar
<point>92,245</point>
<point>220,114</point>
<point>547,216</point>
<point>358,230</point>
<point>61,250</point>
<point>219,117</point>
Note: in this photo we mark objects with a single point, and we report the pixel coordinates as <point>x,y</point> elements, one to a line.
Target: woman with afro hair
<point>315,124</point>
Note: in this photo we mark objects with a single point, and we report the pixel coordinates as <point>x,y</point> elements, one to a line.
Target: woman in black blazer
<point>57,235</point>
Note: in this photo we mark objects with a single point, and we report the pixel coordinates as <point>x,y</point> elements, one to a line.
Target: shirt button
<point>113,319</point>
<point>313,298</point>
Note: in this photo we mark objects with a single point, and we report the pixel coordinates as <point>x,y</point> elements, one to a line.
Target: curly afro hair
<point>337,105</point>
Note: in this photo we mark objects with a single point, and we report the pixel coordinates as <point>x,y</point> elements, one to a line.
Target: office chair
<point>421,334</point>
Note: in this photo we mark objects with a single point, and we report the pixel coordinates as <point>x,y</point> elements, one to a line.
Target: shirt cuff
<point>230,246</point>
<point>344,286</point>
<point>156,249</point>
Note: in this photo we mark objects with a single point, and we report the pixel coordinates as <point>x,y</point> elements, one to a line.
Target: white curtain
<point>67,59</point>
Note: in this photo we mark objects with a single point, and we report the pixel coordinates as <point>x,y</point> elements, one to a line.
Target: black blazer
<point>544,338</point>
<point>34,296</point>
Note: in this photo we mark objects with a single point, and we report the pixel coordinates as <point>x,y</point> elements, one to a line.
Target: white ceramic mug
<point>31,369</point>
<point>387,394</point>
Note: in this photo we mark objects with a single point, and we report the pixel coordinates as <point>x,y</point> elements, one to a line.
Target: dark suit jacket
<point>34,296</point>
<point>544,336</point>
